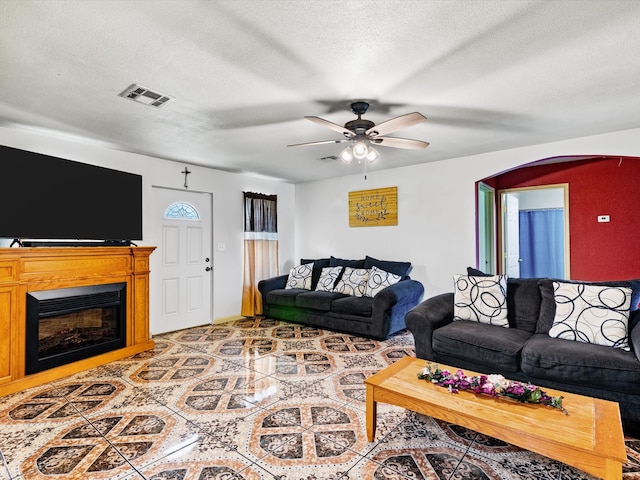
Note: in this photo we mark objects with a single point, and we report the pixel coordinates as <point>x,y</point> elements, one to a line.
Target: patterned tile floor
<point>255,399</point>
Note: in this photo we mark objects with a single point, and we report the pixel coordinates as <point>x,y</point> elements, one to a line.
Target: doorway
<point>181,268</point>
<point>486,228</point>
<point>534,235</point>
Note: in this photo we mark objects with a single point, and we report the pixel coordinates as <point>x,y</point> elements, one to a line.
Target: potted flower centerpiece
<point>492,385</point>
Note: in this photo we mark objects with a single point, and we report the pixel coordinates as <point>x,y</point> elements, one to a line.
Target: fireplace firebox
<point>69,324</point>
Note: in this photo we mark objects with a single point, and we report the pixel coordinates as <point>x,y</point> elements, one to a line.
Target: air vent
<point>144,95</point>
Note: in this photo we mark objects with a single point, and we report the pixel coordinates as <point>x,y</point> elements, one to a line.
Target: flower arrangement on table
<point>492,385</point>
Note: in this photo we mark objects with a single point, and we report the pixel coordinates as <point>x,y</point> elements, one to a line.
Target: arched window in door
<point>182,211</point>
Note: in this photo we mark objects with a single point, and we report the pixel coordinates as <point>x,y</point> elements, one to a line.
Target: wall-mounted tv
<point>45,197</point>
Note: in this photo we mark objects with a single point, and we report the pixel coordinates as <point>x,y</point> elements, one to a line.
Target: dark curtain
<point>260,212</point>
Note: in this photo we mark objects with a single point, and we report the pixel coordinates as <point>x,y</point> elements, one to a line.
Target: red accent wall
<point>607,186</point>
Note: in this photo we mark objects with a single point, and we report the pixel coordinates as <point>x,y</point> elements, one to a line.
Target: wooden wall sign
<point>373,208</point>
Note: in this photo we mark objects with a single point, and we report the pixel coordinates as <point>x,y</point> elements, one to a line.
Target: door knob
<point>206,259</point>
<point>208,269</point>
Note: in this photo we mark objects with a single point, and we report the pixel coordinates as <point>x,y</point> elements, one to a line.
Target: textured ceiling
<point>488,75</point>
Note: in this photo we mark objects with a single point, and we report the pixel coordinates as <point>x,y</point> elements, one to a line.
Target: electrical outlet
<point>603,218</point>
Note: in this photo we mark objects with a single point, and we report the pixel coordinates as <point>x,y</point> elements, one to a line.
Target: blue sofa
<point>375,317</point>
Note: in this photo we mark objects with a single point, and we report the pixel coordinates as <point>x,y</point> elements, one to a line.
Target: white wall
<point>436,208</point>
<point>540,198</point>
<point>227,191</point>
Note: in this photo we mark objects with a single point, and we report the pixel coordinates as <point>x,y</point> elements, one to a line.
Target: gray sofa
<point>375,317</point>
<point>526,352</point>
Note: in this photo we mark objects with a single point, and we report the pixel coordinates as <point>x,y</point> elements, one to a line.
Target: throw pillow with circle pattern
<point>379,280</point>
<point>481,299</point>
<point>300,277</point>
<point>353,282</point>
<point>592,314</point>
<point>328,279</point>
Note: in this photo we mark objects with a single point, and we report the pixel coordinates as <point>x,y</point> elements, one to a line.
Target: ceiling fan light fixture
<point>346,155</point>
<point>360,150</point>
<point>372,155</point>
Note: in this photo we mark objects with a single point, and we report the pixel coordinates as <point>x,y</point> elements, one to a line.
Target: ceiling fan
<point>363,134</point>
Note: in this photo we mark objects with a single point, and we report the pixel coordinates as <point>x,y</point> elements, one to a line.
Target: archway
<point>603,214</point>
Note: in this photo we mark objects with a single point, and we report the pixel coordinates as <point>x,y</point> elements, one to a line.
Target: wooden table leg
<point>613,470</point>
<point>371,414</point>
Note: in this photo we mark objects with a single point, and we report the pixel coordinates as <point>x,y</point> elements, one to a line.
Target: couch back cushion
<point>343,262</point>
<point>523,303</point>
<point>397,268</point>
<point>318,265</point>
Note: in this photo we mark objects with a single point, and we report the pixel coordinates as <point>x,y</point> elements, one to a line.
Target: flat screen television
<point>49,198</point>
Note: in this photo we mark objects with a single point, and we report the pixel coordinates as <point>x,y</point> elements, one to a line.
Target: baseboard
<point>231,318</point>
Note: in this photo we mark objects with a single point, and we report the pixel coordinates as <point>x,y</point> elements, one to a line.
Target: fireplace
<point>70,324</point>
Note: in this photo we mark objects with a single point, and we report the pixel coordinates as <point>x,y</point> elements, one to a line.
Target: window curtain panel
<point>260,248</point>
<point>542,243</point>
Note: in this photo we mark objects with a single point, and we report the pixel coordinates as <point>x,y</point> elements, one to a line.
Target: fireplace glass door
<point>70,324</point>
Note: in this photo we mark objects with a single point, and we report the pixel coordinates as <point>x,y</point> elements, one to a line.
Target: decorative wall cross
<point>186,172</point>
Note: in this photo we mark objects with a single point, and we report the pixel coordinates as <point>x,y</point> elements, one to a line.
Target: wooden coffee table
<point>589,438</point>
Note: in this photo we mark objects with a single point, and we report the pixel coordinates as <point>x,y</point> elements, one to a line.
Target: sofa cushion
<point>328,279</point>
<point>341,262</point>
<point>592,314</point>
<point>523,303</point>
<point>318,265</point>
<point>285,297</point>
<point>584,364</point>
<point>523,300</point>
<point>379,280</point>
<point>494,347</point>
<point>548,303</point>
<point>300,276</point>
<point>397,268</point>
<point>317,300</point>
<point>477,273</point>
<point>360,306</point>
<point>353,282</point>
<point>481,299</point>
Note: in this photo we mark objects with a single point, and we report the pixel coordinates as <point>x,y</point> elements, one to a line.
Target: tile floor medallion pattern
<point>253,399</point>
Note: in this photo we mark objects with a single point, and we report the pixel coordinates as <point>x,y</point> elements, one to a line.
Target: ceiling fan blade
<point>399,142</point>
<point>397,123</point>
<point>331,125</point>
<point>340,140</point>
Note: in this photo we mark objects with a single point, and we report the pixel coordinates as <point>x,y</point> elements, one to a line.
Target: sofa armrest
<point>423,319</point>
<point>274,283</point>
<point>267,285</point>
<point>399,293</point>
<point>391,304</point>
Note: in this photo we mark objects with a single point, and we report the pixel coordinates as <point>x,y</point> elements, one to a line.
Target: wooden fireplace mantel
<point>25,270</point>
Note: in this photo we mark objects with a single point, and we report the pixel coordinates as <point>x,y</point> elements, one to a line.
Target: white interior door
<point>181,266</point>
<point>511,239</point>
